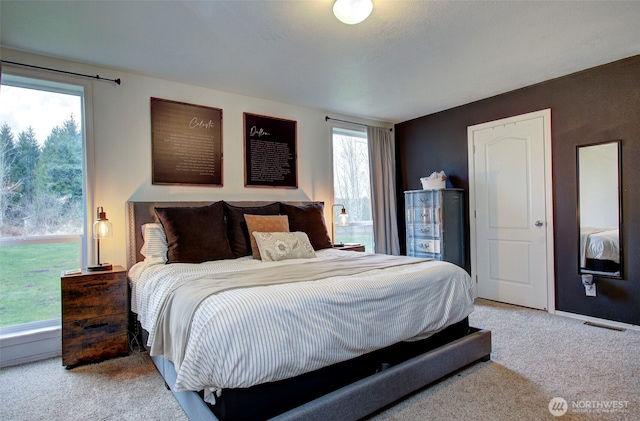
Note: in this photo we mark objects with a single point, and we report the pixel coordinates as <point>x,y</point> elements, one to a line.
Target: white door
<point>510,204</point>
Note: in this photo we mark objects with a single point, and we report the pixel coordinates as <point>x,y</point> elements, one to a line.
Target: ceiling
<point>408,59</point>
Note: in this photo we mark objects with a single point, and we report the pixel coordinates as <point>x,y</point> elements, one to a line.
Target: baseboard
<point>30,346</point>
<point>597,320</point>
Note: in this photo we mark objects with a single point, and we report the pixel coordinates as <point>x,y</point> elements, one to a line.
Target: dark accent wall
<point>594,105</point>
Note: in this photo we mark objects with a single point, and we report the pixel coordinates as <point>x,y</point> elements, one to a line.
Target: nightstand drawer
<point>106,325</point>
<point>94,339</point>
<point>97,295</point>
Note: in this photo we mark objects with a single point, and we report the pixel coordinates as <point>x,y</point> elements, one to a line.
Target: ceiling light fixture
<point>352,12</point>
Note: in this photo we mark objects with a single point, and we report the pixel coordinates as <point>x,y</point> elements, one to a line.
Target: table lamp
<point>342,218</point>
<point>102,229</point>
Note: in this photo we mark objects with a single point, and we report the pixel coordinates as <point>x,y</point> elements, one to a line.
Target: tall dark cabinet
<point>435,224</point>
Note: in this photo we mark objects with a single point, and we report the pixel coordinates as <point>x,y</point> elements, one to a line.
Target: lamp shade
<point>102,227</point>
<point>343,217</point>
<point>352,12</point>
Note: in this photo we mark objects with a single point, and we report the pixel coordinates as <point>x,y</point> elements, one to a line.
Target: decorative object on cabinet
<point>94,316</point>
<point>435,224</point>
<point>102,229</point>
<point>437,180</point>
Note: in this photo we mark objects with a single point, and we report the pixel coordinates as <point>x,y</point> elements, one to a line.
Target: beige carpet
<point>127,388</point>
<point>536,357</point>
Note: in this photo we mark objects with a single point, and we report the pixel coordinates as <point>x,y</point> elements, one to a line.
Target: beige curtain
<point>382,171</point>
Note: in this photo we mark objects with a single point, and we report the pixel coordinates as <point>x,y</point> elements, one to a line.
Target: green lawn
<point>30,280</point>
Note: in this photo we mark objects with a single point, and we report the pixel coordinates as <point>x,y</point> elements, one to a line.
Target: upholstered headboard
<point>140,213</point>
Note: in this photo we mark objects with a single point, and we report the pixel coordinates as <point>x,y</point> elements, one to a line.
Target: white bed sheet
<point>243,337</point>
<point>599,243</point>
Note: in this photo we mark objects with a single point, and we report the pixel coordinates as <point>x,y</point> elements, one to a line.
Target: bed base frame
<point>364,396</point>
<point>351,402</point>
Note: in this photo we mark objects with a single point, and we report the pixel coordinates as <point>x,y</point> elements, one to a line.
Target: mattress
<point>248,336</point>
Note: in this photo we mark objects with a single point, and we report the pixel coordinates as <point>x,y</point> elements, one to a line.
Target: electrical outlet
<point>590,290</point>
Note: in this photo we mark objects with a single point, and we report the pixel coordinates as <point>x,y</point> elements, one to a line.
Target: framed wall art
<point>186,143</point>
<point>270,151</point>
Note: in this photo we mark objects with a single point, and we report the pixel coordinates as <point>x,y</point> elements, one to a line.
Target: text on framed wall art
<point>186,143</point>
<point>270,151</point>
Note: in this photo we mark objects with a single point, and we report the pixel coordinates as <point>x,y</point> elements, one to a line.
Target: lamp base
<point>100,267</point>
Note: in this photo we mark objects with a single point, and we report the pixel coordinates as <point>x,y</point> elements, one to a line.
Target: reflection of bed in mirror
<point>599,249</point>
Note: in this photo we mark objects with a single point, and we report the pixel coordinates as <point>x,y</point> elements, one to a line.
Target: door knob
<point>539,223</point>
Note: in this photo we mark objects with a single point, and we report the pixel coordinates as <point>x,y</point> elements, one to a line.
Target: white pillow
<point>155,246</point>
<point>276,246</point>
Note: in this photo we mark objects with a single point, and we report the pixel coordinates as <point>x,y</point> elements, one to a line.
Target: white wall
<point>122,144</point>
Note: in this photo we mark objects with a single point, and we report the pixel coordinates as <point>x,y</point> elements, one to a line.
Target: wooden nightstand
<point>350,247</point>
<point>94,316</point>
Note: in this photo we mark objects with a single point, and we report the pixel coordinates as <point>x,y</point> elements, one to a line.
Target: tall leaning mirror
<point>599,214</point>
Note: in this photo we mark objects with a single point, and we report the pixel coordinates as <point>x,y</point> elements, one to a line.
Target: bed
<point>600,249</point>
<point>369,338</point>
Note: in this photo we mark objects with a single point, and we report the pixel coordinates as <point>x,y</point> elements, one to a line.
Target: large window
<point>352,187</point>
<point>42,199</point>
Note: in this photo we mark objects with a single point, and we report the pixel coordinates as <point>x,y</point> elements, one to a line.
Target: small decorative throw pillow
<point>276,246</point>
<point>264,223</point>
<point>155,246</point>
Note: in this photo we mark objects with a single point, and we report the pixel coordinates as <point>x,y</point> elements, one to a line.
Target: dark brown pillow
<point>310,219</point>
<point>195,234</point>
<point>239,238</point>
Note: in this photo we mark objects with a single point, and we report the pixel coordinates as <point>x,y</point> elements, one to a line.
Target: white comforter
<point>599,243</point>
<point>243,337</point>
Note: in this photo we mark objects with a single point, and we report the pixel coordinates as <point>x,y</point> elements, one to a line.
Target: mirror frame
<point>615,275</point>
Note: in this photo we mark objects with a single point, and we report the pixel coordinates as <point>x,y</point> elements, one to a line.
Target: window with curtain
<point>42,197</point>
<point>352,186</point>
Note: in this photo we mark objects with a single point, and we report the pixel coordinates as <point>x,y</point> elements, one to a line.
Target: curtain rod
<point>327,118</point>
<point>116,81</point>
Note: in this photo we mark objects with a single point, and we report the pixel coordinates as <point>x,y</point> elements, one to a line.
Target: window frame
<point>35,340</point>
<point>351,130</point>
